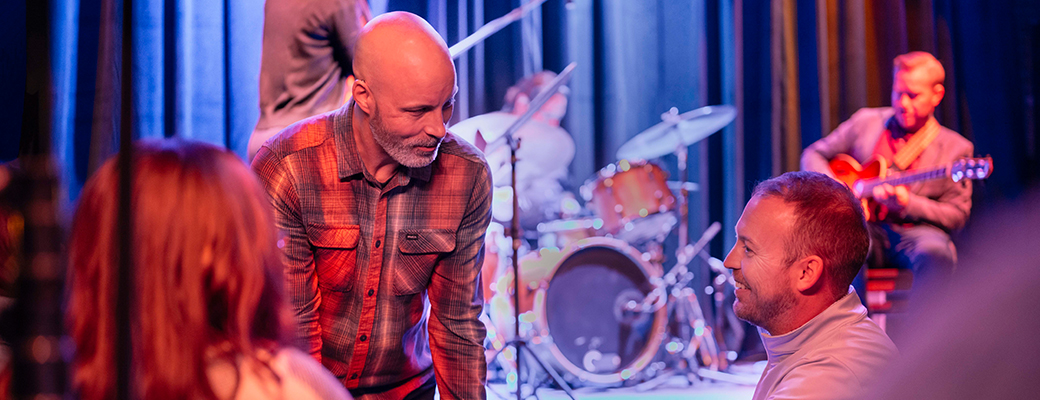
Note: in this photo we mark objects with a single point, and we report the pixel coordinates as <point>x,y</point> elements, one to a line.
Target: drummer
<point>545,153</point>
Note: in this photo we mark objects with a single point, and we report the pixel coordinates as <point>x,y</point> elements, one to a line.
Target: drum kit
<point>596,307</point>
<point>593,305</point>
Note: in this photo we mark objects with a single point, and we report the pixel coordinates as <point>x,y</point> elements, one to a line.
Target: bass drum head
<point>592,338</point>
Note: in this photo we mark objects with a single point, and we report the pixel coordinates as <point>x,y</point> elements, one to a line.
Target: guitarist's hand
<point>893,198</point>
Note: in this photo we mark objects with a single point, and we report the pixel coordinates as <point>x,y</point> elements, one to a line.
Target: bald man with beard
<point>384,213</point>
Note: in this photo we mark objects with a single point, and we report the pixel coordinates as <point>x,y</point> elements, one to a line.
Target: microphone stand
<point>514,144</point>
<point>492,27</point>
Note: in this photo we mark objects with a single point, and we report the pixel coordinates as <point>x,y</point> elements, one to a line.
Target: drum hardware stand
<point>687,309</point>
<point>671,290</point>
<point>722,278</point>
<point>673,135</point>
<point>716,360</point>
<point>514,144</point>
<point>679,276</point>
<point>681,154</point>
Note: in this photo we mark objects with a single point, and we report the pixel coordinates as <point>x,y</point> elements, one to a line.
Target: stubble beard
<point>402,152</point>
<point>765,312</point>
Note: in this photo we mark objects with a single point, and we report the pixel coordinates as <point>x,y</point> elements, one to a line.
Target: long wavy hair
<point>208,274</point>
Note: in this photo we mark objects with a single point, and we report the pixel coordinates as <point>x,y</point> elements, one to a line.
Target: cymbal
<point>677,130</point>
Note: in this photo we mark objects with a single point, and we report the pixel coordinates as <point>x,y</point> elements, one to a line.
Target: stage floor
<point>717,391</point>
<point>675,387</point>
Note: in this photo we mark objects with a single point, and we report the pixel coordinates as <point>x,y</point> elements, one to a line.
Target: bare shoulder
<point>303,378</point>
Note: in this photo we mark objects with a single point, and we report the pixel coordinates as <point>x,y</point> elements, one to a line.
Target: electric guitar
<point>862,179</point>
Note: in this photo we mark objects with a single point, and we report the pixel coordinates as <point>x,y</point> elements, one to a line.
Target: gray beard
<point>403,153</point>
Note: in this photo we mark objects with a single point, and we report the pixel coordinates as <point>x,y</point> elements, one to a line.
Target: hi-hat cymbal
<point>677,130</point>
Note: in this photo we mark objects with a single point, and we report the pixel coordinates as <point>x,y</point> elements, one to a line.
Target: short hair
<point>207,271</point>
<point>530,86</point>
<point>920,60</point>
<point>829,223</point>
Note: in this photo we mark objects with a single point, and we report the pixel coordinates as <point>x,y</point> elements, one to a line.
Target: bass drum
<point>573,310</point>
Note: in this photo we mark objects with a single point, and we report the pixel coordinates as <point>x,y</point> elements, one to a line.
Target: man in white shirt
<point>800,241</point>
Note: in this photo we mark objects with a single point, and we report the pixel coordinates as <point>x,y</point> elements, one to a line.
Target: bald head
<point>399,45</point>
<point>403,95</point>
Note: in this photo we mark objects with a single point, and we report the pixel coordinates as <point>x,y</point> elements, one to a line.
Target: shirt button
<point>371,292</point>
<point>378,243</point>
<point>363,338</point>
<point>354,376</point>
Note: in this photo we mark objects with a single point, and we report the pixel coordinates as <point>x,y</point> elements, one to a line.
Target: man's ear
<point>362,96</point>
<point>808,274</point>
<point>940,91</point>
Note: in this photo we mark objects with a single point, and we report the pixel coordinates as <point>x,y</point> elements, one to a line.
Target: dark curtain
<point>196,66</point>
<point>829,58</point>
<point>794,69</point>
<point>195,73</point>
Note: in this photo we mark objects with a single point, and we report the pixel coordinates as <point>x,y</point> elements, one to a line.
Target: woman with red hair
<point>208,318</point>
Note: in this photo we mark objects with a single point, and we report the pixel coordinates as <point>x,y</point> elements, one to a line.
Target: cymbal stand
<point>687,309</point>
<point>693,334</point>
<point>514,144</point>
<point>709,340</point>
<point>518,343</point>
<point>681,155</point>
<point>710,348</point>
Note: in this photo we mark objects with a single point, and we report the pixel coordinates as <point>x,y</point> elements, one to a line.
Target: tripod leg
<point>702,341</point>
<point>521,347</point>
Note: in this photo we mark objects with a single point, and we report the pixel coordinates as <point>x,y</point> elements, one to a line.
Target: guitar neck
<point>933,173</point>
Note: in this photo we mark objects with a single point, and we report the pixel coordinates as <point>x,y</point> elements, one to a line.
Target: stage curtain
<point>829,58</point>
<point>793,68</point>
<point>195,72</point>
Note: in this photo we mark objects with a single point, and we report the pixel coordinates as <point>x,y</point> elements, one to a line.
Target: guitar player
<point>910,225</point>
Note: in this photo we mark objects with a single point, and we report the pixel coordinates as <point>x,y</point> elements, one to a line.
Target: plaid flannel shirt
<point>383,278</point>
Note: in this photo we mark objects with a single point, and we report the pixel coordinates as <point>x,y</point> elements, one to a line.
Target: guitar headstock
<point>971,168</point>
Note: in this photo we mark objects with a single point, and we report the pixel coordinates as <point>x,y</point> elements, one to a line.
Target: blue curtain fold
<point>843,61</point>
<point>195,72</point>
<point>196,69</point>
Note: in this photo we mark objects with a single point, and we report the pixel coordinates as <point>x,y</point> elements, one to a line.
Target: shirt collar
<point>348,158</point>
<point>845,309</point>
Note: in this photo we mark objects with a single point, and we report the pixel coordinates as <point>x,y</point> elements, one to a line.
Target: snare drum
<point>563,232</point>
<point>633,200</point>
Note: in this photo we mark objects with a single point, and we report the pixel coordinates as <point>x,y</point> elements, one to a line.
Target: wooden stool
<point>888,290</point>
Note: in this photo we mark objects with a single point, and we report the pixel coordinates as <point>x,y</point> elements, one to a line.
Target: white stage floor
<point>675,387</point>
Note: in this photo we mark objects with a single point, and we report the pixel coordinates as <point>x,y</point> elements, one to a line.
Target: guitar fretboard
<point>868,185</point>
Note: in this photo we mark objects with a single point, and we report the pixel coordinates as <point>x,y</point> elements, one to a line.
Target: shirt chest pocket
<point>419,251</point>
<point>335,255</point>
